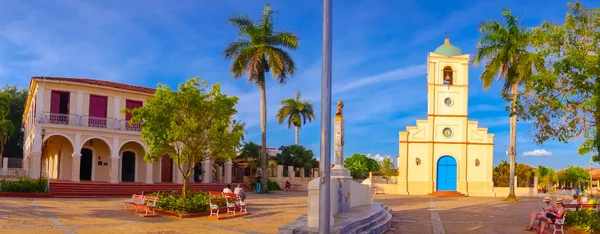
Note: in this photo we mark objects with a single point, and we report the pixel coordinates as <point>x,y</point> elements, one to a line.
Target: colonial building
<point>446,151</point>
<point>74,129</point>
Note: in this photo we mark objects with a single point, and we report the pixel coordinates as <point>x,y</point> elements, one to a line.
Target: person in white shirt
<point>227,189</point>
<point>239,191</point>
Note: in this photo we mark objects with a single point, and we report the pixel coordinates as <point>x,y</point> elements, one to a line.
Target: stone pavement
<point>459,214</point>
<point>268,212</point>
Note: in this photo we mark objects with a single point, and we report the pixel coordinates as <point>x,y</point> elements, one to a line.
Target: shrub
<point>24,185</point>
<point>586,220</point>
<point>197,202</point>
<point>272,185</point>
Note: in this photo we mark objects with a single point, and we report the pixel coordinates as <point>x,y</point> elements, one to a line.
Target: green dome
<point>448,49</point>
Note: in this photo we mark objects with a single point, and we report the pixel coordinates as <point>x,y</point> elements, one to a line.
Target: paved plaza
<point>268,212</point>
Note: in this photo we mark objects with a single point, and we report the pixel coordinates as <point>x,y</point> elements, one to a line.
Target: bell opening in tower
<point>448,75</point>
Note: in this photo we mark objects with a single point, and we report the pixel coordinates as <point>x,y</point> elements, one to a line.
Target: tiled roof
<point>102,83</point>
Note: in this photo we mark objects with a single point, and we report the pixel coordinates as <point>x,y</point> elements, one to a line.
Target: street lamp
<point>43,133</point>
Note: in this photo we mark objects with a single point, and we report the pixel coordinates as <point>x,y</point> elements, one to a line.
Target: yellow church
<point>447,151</point>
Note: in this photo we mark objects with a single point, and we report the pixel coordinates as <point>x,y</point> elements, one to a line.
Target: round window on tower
<point>448,101</point>
<point>447,132</point>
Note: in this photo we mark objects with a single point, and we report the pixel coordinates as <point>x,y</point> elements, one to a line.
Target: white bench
<point>560,223</point>
<point>377,190</point>
<point>297,187</point>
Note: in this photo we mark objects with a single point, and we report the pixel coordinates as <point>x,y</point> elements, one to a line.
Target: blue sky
<point>379,54</point>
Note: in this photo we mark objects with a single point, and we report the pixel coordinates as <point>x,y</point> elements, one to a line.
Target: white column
<point>220,174</point>
<point>207,171</point>
<point>39,102</point>
<point>36,159</point>
<point>149,173</point>
<point>228,171</point>
<point>114,169</point>
<point>76,164</point>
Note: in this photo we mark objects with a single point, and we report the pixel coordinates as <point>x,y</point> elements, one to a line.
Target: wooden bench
<point>580,206</point>
<point>215,194</point>
<point>587,206</point>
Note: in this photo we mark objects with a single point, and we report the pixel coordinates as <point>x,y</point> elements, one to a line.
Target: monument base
<point>373,218</point>
<point>338,172</point>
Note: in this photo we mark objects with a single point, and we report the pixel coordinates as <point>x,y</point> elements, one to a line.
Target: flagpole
<point>325,165</point>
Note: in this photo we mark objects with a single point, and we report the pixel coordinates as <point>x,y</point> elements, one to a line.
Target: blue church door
<point>446,174</point>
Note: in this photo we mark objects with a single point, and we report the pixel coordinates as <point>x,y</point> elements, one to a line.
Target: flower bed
<point>195,205</point>
<point>24,185</point>
<point>585,220</point>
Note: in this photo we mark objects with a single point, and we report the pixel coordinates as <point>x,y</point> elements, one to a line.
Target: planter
<point>192,215</point>
<point>31,195</point>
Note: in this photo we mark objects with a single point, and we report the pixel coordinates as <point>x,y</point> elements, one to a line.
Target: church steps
<point>447,194</point>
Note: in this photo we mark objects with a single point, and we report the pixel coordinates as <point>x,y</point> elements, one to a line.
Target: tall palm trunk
<point>513,141</point>
<point>297,135</point>
<point>263,130</point>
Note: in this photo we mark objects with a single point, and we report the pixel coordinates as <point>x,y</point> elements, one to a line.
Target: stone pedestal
<point>114,169</point>
<point>228,171</point>
<point>76,164</point>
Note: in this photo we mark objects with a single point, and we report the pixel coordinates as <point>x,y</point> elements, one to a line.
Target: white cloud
<point>537,152</point>
<point>378,157</point>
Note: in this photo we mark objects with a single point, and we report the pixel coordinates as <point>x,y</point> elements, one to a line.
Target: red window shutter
<point>55,102</point>
<point>130,104</point>
<point>98,106</point>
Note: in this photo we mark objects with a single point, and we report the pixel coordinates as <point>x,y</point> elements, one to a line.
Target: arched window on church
<point>448,78</point>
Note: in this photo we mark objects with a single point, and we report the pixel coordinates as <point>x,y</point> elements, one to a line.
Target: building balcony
<point>89,121</point>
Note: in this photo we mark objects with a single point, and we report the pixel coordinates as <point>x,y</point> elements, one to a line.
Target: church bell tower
<point>447,81</point>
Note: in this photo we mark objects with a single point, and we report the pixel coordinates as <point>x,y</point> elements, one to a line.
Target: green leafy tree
<point>188,125</point>
<point>503,49</point>
<point>360,165</point>
<point>547,177</point>
<point>388,168</point>
<point>16,99</point>
<point>298,156</point>
<point>6,126</point>
<point>525,174</point>
<point>564,98</point>
<point>576,175</point>
<point>501,173</point>
<point>250,151</point>
<point>259,50</point>
<point>297,112</point>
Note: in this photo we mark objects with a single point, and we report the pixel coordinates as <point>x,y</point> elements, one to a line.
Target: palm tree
<point>503,48</point>
<point>256,52</point>
<point>297,112</point>
<point>250,151</point>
